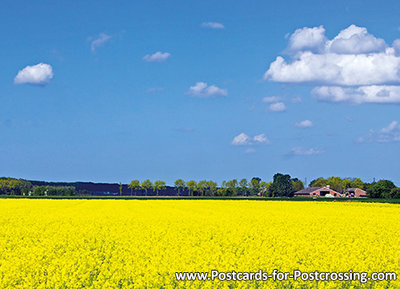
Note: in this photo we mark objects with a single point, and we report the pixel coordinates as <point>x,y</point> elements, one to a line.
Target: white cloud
<point>296,99</point>
<point>202,89</point>
<point>213,25</point>
<point>277,106</point>
<point>39,74</point>
<point>261,138</point>
<point>241,139</point>
<point>157,57</point>
<point>396,46</point>
<point>244,139</point>
<point>271,99</point>
<point>99,41</point>
<point>307,39</point>
<point>337,69</point>
<point>304,123</point>
<point>355,40</point>
<point>391,133</point>
<point>358,95</point>
<point>354,66</point>
<point>298,151</point>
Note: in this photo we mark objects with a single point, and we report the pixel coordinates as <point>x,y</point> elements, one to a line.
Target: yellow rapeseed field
<point>142,243</point>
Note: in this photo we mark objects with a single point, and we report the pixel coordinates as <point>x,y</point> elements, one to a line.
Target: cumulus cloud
<point>310,39</point>
<point>337,69</point>
<point>202,89</point>
<point>304,123</point>
<point>391,133</point>
<point>277,106</point>
<point>213,25</point>
<point>299,151</point>
<point>39,74</point>
<point>244,139</point>
<point>354,66</point>
<point>355,40</point>
<point>271,99</point>
<point>157,57</point>
<point>261,138</point>
<point>241,139</point>
<point>358,95</point>
<point>99,41</point>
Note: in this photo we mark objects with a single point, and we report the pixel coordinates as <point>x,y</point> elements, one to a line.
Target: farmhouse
<point>355,192</point>
<point>317,191</point>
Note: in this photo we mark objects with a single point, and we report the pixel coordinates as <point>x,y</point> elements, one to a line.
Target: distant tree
<point>232,187</point>
<point>380,189</point>
<point>11,186</point>
<point>243,187</point>
<point>297,184</point>
<point>218,192</point>
<point>346,183</point>
<point>191,186</point>
<point>201,187</point>
<point>395,193</point>
<point>357,183</point>
<point>159,186</point>
<point>60,191</point>
<point>254,185</point>
<point>223,190</point>
<point>180,185</point>
<point>281,186</point>
<point>146,185</point>
<point>366,186</point>
<point>40,190</point>
<point>134,185</point>
<point>120,189</point>
<point>264,188</point>
<point>212,188</point>
<point>320,182</point>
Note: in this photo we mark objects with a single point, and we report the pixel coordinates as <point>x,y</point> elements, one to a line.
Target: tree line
<point>12,186</point>
<point>233,187</point>
<point>282,185</point>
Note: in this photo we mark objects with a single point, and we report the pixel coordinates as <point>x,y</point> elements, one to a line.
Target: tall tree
<point>180,185</point>
<point>380,189</point>
<point>264,188</point>
<point>134,185</point>
<point>297,184</point>
<point>191,186</point>
<point>320,182</point>
<point>201,187</point>
<point>146,185</point>
<point>212,188</point>
<point>159,186</point>
<point>281,186</point>
<point>336,184</point>
<point>120,188</point>
<point>232,186</point>
<point>243,187</point>
<point>255,185</point>
<point>357,183</point>
<point>394,194</point>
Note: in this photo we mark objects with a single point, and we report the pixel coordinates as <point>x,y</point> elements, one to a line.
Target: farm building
<point>317,191</point>
<point>355,192</point>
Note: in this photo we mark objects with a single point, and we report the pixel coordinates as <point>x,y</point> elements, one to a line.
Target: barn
<point>317,191</point>
<point>355,193</point>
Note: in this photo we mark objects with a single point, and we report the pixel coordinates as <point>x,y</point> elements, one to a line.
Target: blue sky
<point>118,90</point>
